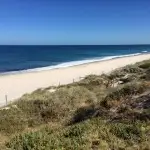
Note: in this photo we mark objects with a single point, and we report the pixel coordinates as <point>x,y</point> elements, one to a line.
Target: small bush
<point>93,79</point>
<point>83,113</point>
<point>68,139</point>
<point>39,94</point>
<point>74,97</point>
<point>146,75</point>
<point>12,121</point>
<point>145,65</point>
<point>131,69</point>
<point>123,92</point>
<point>126,90</point>
<point>91,134</point>
<point>75,131</point>
<point>121,72</point>
<point>126,132</point>
<point>55,106</point>
<point>29,141</point>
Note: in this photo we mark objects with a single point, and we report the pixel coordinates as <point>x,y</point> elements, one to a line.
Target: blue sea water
<point>36,58</point>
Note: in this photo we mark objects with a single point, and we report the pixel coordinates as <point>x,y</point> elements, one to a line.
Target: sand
<point>15,85</point>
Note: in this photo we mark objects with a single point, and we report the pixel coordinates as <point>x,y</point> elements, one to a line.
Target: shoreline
<point>71,64</point>
<point>15,85</point>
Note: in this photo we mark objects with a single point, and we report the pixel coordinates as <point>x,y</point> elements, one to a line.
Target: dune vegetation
<point>105,112</point>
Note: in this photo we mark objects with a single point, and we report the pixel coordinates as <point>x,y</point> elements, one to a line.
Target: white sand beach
<point>15,85</point>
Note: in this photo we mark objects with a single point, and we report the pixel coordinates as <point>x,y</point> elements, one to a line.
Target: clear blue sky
<point>74,22</point>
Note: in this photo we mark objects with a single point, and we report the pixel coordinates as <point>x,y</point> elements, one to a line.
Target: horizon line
<point>71,44</point>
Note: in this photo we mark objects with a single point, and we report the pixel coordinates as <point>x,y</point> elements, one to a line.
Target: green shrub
<point>121,72</point>
<point>70,138</point>
<point>55,106</point>
<point>29,141</point>
<point>126,90</point>
<point>146,75</point>
<point>39,94</point>
<point>131,69</point>
<point>74,97</point>
<point>123,92</point>
<point>92,79</point>
<point>126,132</point>
<point>83,113</point>
<point>75,131</point>
<point>91,134</point>
<point>12,121</point>
<point>145,65</point>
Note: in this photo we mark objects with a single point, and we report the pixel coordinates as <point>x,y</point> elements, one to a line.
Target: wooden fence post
<point>6,99</point>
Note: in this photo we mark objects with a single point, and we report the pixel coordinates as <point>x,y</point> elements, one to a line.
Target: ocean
<point>15,59</point>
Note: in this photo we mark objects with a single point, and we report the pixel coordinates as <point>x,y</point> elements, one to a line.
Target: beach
<point>15,85</point>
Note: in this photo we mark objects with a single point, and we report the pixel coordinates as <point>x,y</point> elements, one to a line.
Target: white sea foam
<point>144,51</point>
<point>72,63</point>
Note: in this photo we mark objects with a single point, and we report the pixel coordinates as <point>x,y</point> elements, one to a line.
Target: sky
<point>74,22</point>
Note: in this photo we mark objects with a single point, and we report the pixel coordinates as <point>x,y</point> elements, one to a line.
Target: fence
<point>7,102</point>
